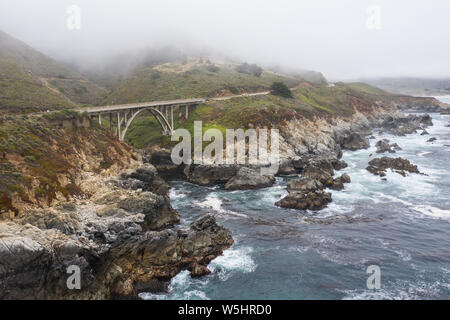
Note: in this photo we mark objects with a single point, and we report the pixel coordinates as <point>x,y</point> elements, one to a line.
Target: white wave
<point>424,209</point>
<point>400,290</point>
<point>433,211</point>
<point>176,194</point>
<point>213,202</point>
<point>233,260</point>
<point>424,153</point>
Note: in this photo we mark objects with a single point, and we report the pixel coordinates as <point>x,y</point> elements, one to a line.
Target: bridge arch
<point>166,127</point>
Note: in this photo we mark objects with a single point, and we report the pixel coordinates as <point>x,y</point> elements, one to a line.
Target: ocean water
<point>401,225</point>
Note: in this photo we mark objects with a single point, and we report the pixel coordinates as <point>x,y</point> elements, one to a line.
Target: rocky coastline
<point>125,237</point>
<point>311,149</point>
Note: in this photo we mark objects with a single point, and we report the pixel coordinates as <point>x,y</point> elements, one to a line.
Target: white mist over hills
<point>327,36</point>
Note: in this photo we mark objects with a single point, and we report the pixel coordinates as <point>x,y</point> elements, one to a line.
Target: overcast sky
<point>331,36</point>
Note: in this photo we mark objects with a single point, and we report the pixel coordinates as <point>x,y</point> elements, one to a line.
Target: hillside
<point>268,110</point>
<point>31,81</point>
<point>194,77</point>
<point>42,157</point>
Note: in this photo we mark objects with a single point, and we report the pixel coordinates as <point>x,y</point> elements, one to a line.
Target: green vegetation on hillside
<point>38,158</point>
<point>191,80</point>
<point>31,81</point>
<point>262,111</point>
<point>280,89</point>
<point>21,92</point>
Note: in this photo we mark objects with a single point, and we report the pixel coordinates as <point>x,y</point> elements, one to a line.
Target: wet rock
<point>339,164</point>
<point>384,146</point>
<point>145,178</point>
<point>249,178</point>
<point>379,166</point>
<point>208,175</point>
<point>287,168</point>
<point>431,140</point>
<point>157,210</point>
<point>315,200</point>
<point>198,270</point>
<point>319,169</point>
<point>424,133</point>
<point>355,142</point>
<point>161,159</point>
<point>406,125</point>
<point>304,185</point>
<point>338,183</point>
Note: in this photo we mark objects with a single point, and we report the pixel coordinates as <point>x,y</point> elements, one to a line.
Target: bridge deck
<point>141,105</point>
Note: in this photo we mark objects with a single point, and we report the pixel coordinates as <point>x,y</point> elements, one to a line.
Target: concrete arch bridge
<point>123,115</point>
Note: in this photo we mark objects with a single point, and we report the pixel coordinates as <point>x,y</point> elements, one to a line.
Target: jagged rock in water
<point>319,169</point>
<point>379,166</point>
<point>424,133</point>
<point>384,146</point>
<point>406,125</point>
<point>249,178</point>
<point>122,240</point>
<point>304,185</point>
<point>208,175</point>
<point>315,200</point>
<point>287,168</point>
<point>431,140</point>
<point>339,164</point>
<point>338,183</point>
<point>355,142</point>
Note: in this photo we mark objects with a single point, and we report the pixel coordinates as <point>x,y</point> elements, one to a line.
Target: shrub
<point>213,68</point>
<point>251,69</point>
<point>280,89</point>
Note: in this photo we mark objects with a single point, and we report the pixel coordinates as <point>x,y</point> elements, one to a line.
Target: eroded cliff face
<point>118,229</point>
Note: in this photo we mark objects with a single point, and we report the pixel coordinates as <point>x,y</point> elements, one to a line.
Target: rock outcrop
<point>378,166</point>
<point>123,240</point>
<point>315,200</point>
<point>355,142</point>
<point>249,178</point>
<point>401,126</point>
<point>384,146</point>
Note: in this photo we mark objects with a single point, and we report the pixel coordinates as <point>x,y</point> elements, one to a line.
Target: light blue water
<point>402,225</point>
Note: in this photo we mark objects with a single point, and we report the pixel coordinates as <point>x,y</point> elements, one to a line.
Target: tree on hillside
<point>280,89</point>
<point>251,69</point>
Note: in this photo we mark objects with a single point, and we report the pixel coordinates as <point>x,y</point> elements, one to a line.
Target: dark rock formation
<point>338,183</point>
<point>208,175</point>
<point>431,139</point>
<point>379,166</point>
<point>161,159</point>
<point>304,185</point>
<point>355,142</point>
<point>339,164</point>
<point>249,178</point>
<point>122,239</point>
<point>315,200</point>
<point>384,146</point>
<point>406,125</point>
